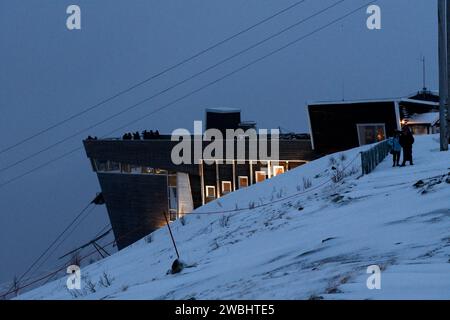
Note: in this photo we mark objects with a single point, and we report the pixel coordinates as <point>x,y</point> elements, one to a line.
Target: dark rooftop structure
<point>341,125</point>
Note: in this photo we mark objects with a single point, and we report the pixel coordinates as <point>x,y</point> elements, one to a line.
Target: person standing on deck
<point>406,141</point>
<point>396,148</point>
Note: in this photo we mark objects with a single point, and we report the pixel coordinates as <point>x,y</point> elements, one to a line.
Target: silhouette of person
<point>406,141</point>
<point>396,148</point>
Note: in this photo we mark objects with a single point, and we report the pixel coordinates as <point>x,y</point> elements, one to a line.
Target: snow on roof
<point>430,103</point>
<point>424,118</point>
<point>408,98</point>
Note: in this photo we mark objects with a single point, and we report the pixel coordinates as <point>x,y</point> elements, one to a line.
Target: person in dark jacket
<point>136,136</point>
<point>406,141</point>
<point>396,148</point>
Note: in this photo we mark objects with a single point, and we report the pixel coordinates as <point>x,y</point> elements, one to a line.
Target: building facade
<point>338,126</point>
<point>140,182</point>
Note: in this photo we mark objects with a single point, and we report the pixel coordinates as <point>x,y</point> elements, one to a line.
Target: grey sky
<point>48,73</point>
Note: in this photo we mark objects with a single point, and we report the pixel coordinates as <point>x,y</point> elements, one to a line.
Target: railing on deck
<point>372,157</point>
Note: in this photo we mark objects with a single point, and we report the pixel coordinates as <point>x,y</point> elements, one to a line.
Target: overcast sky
<point>48,73</point>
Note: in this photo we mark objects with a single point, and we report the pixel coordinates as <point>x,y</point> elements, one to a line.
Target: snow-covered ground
<point>313,243</point>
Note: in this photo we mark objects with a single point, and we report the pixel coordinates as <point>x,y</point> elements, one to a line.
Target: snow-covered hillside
<point>313,243</point>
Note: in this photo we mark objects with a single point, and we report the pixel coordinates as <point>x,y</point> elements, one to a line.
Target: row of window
<point>210,191</point>
<point>111,166</point>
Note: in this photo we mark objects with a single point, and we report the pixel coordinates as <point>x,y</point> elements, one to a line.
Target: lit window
<point>226,187</point>
<point>172,180</point>
<point>243,182</point>
<point>278,170</point>
<point>371,133</point>
<point>147,170</point>
<point>211,192</point>
<point>160,171</point>
<point>260,176</point>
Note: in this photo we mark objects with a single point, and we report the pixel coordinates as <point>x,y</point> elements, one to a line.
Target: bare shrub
<point>338,174</point>
<point>354,170</point>
<point>339,171</point>
<point>251,205</point>
<point>75,293</point>
<point>90,285</point>
<point>105,280</point>
<point>332,161</point>
<point>279,194</point>
<point>224,221</point>
<point>149,238</point>
<point>307,183</point>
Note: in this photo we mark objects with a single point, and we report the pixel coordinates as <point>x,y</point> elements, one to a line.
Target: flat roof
<point>167,137</point>
<point>318,103</point>
<point>409,100</point>
<point>429,103</point>
<point>223,110</point>
<point>424,118</point>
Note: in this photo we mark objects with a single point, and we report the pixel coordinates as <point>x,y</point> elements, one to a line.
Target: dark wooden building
<point>337,126</point>
<point>140,182</point>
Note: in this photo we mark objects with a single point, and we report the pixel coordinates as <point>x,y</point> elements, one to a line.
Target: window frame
<point>360,125</point>
<point>223,189</point>
<point>207,192</point>
<point>239,182</point>
<point>274,168</point>
<point>260,172</point>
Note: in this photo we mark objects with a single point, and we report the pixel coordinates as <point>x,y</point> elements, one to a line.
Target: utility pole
<point>444,59</point>
<point>424,75</point>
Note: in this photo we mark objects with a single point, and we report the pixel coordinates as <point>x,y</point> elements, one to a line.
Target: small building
<point>341,125</point>
<point>222,118</point>
<point>423,123</point>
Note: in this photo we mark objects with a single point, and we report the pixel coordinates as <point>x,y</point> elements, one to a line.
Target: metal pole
<point>171,235</point>
<point>447,47</point>
<point>443,73</point>
<point>424,74</point>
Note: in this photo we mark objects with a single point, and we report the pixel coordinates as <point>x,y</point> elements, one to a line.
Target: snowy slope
<point>316,243</point>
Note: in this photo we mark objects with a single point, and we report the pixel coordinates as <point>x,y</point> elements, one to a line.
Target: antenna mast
<point>424,74</point>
